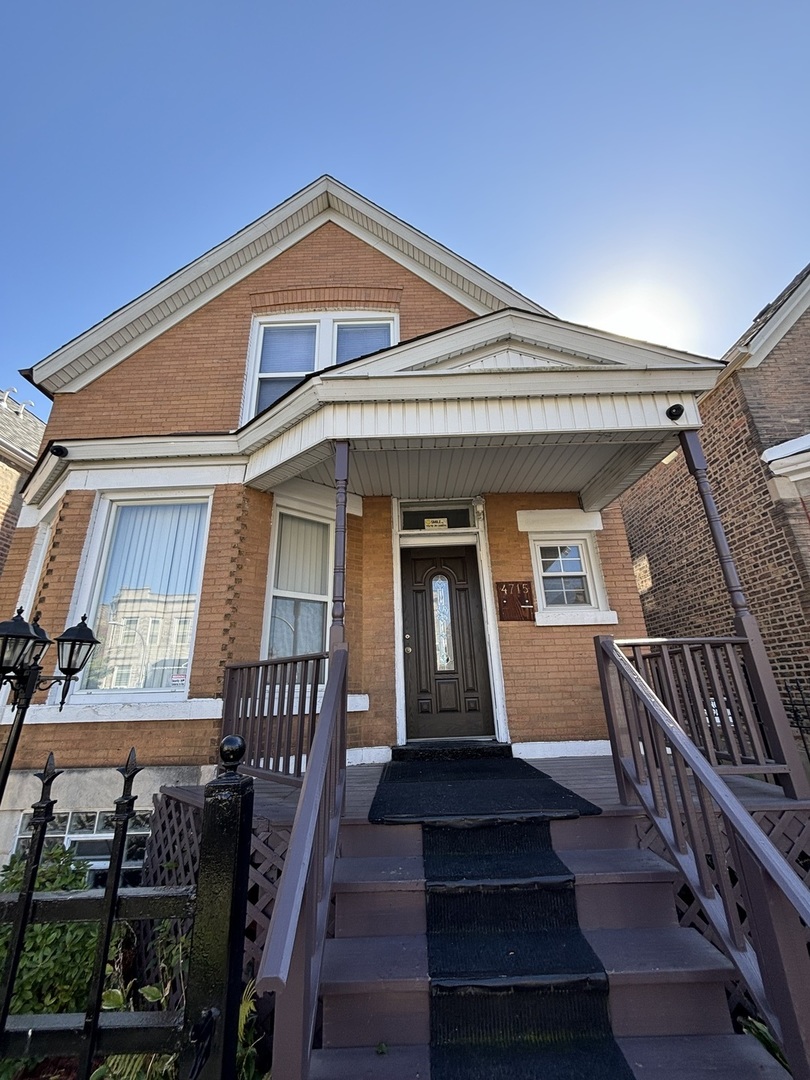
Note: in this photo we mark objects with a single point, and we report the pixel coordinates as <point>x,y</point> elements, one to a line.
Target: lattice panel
<point>789,831</point>
<point>172,857</point>
<point>267,852</point>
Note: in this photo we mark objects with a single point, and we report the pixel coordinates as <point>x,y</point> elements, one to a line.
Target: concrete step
<point>696,1057</point>
<point>663,982</point>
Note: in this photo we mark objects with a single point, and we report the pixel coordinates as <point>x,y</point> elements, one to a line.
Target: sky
<point>632,165</point>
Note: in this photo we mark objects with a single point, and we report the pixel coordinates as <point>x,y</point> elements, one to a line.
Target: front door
<point>446,674</point>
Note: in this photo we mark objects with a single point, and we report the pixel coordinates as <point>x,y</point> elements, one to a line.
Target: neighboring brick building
<point>756,439</point>
<point>20,439</point>
<point>190,510</point>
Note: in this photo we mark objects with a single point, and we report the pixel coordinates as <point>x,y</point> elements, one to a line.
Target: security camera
<point>675,412</point>
<point>59,451</point>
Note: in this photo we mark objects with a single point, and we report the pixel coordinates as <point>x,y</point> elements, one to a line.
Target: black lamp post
<point>22,647</point>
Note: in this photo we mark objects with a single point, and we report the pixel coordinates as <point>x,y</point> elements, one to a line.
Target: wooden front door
<point>447,691</point>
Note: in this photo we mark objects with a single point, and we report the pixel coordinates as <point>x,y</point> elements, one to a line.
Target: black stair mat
<point>496,788</point>
<point>450,750</point>
<point>483,852</point>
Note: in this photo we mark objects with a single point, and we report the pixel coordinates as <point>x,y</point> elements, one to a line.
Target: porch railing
<point>716,845</point>
<point>291,963</point>
<point>704,685</point>
<point>273,705</point>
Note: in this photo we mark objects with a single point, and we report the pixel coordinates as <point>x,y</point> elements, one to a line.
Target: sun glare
<point>648,311</point>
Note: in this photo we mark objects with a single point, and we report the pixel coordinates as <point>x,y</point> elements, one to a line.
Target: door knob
<point>408,649</point>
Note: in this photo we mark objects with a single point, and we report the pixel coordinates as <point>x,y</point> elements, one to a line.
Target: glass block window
<point>88,834</point>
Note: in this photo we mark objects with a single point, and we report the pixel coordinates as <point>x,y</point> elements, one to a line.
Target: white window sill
<point>575,617</point>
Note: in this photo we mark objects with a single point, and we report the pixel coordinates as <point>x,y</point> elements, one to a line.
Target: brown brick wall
<point>164,742</point>
<point>330,268</point>
<point>550,676</point>
<point>10,503</point>
<point>13,573</point>
<point>683,593</point>
<point>377,727</point>
<point>229,623</point>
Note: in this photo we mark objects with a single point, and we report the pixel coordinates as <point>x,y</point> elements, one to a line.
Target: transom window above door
<point>285,348</point>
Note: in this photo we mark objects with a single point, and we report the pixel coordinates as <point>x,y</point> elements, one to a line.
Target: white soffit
<point>125,331</point>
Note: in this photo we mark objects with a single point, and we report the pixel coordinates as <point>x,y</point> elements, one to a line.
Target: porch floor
<point>591,777</point>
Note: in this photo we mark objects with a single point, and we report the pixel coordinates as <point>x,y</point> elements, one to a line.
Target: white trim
<point>128,711</point>
<point>559,521</point>
<point>309,496</point>
<point>775,328</point>
<point>597,612</point>
<point>573,748</point>
<point>326,324</point>
<point>787,449</point>
<point>368,755</point>
<point>475,536</point>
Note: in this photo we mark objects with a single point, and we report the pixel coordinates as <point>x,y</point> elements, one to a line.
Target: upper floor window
<point>285,348</point>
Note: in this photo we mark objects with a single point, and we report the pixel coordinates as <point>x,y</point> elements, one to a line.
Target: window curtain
<point>148,593</point>
<point>298,618</point>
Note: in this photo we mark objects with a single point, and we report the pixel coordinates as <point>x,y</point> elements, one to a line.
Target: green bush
<point>57,961</point>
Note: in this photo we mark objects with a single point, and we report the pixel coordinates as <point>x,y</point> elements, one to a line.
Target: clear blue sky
<point>624,162</point>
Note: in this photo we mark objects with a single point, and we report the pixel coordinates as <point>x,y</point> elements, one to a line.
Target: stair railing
<point>291,962</point>
<point>274,705</point>
<point>757,905</point>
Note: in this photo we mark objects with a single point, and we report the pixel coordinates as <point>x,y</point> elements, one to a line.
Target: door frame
<point>475,536</point>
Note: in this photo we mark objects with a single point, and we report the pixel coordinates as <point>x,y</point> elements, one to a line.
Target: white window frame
<point>293,508</point>
<point>326,325</point>
<point>89,581</point>
<point>562,527</point>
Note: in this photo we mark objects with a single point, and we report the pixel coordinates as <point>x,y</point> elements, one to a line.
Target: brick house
<point>190,507</point>
<point>20,438</point>
<point>756,420</point>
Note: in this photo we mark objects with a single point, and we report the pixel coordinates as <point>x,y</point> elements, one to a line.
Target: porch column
<point>763,684</point>
<point>337,631</point>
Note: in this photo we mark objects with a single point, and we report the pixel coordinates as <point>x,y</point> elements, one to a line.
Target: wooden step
<point>663,981</point>
<point>374,895</point>
<point>614,829</point>
<point>696,1057</point>
<point>622,888</point>
<point>375,990</point>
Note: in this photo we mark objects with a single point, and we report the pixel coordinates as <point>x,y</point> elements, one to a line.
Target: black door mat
<point>499,788</point>
<point>517,993</point>
<point>449,750</point>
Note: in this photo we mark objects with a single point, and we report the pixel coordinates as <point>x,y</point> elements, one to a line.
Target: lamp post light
<point>22,647</point>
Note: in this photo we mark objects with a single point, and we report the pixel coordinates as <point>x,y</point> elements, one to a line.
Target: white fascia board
<point>768,337</point>
<point>543,333</point>
<point>795,468</point>
<point>133,326</point>
<point>787,449</point>
<point>115,452</point>
<point>19,458</point>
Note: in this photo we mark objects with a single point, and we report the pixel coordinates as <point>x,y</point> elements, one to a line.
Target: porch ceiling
<point>598,467</point>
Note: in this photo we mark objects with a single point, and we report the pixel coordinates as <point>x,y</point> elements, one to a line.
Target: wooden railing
<point>273,705</point>
<point>704,685</point>
<point>758,907</point>
<point>291,963</point>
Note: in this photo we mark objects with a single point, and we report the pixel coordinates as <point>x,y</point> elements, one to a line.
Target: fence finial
<point>231,751</point>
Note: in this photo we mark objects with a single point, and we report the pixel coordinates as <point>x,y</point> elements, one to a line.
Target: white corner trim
<point>545,521</point>
<point>787,449</point>
<point>368,755</point>
<point>571,616</point>
<point>573,748</point>
<point>357,703</point>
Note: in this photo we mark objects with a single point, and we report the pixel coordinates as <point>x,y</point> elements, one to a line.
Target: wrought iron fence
<point>203,1031</point>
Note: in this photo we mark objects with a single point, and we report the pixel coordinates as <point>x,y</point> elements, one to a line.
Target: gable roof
<point>131,327</point>
<point>771,324</point>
